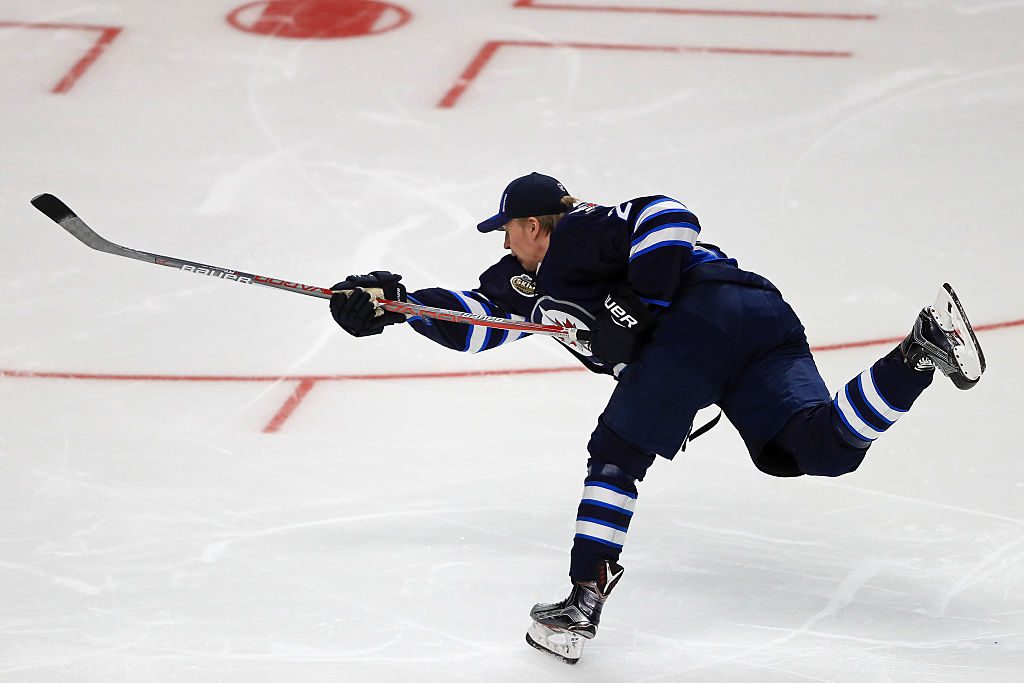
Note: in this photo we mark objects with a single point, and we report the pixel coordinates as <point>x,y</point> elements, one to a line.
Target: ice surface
<point>158,525</point>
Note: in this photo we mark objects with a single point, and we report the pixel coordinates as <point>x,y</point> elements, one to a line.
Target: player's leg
<point>942,337</point>
<point>869,404</point>
<point>602,520</point>
<point>832,439</point>
<point>650,413</point>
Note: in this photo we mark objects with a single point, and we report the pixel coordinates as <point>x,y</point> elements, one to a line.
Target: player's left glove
<point>621,330</point>
<point>355,312</point>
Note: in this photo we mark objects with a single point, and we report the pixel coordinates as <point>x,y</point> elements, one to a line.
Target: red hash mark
<point>305,383</point>
<point>491,47</point>
<point>304,387</point>
<point>106,36</point>
<point>691,11</point>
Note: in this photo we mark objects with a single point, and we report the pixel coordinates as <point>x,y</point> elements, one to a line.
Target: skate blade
<point>950,315</point>
<point>559,644</point>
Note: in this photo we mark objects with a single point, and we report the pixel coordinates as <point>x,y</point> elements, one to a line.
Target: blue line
<point>514,335</point>
<point>602,484</point>
<point>883,418</point>
<point>469,330</point>
<point>857,412</point>
<point>647,234</point>
<point>601,541</point>
<point>489,311</point>
<point>839,411</point>
<point>416,317</point>
<point>601,522</point>
<point>678,243</point>
<point>608,506</point>
<point>671,209</point>
<point>656,302</point>
<point>871,371</point>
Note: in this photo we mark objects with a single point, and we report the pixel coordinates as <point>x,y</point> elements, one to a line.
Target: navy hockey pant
<point>742,347</point>
<point>738,346</point>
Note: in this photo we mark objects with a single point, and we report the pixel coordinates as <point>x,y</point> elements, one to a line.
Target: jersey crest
<point>524,284</point>
<point>550,311</point>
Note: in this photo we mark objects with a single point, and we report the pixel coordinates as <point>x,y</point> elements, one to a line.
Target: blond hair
<point>548,221</point>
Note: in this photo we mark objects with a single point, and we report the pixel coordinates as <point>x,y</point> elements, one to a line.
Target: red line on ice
<point>32,374</point>
<point>307,382</point>
<point>303,388</point>
<point>490,48</point>
<point>692,11</point>
<point>106,37</point>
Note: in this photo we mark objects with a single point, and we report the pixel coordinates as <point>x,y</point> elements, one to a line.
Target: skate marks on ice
<point>891,596</point>
<point>194,579</point>
<point>302,556</point>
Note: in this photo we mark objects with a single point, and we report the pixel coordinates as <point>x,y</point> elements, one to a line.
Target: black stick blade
<point>52,208</point>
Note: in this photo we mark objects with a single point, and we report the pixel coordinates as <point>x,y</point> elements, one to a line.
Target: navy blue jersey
<point>647,242</point>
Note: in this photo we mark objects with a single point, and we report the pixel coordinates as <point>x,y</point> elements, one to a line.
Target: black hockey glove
<point>355,311</point>
<point>621,330</point>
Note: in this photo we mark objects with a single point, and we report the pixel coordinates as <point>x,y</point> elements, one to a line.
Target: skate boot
<point>943,338</point>
<point>559,628</point>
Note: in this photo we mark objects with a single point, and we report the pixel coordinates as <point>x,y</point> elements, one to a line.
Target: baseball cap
<point>530,195</point>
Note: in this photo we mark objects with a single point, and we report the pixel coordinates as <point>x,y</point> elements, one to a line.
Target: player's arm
<point>354,310</point>
<point>662,233</point>
<point>658,236</point>
<point>496,296</point>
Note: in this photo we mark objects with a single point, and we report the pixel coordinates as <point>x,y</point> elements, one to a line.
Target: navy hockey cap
<point>530,195</point>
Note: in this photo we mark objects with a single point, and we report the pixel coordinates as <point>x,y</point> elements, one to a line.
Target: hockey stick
<point>60,213</point>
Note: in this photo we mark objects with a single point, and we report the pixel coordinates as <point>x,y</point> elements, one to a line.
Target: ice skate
<point>943,338</point>
<point>559,628</point>
<point>562,644</point>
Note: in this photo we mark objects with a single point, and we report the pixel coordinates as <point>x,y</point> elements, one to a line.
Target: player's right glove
<point>621,330</point>
<point>354,310</point>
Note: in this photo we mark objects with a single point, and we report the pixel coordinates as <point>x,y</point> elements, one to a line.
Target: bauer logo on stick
<point>224,274</point>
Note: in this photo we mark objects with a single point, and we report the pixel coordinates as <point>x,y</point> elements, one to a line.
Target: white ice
<point>397,529</point>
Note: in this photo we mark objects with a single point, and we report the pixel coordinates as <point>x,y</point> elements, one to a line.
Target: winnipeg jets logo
<point>567,315</point>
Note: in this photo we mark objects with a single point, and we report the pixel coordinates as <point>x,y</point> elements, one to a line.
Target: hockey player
<point>680,327</point>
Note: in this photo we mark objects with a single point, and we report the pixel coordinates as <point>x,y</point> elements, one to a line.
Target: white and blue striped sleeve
<point>460,336</point>
<point>663,233</point>
<point>497,296</point>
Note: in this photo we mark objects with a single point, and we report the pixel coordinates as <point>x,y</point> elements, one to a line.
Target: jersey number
<point>622,210</point>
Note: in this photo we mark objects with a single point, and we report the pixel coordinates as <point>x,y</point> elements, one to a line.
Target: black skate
<point>559,628</point>
<point>943,338</point>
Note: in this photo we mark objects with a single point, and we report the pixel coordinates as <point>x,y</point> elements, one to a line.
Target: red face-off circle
<point>318,18</point>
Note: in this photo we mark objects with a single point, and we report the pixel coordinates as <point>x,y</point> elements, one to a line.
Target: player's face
<point>527,242</point>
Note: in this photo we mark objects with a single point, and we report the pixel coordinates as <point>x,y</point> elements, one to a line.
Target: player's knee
<point>609,472</point>
<point>816,447</point>
<point>835,463</point>
<point>608,449</point>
